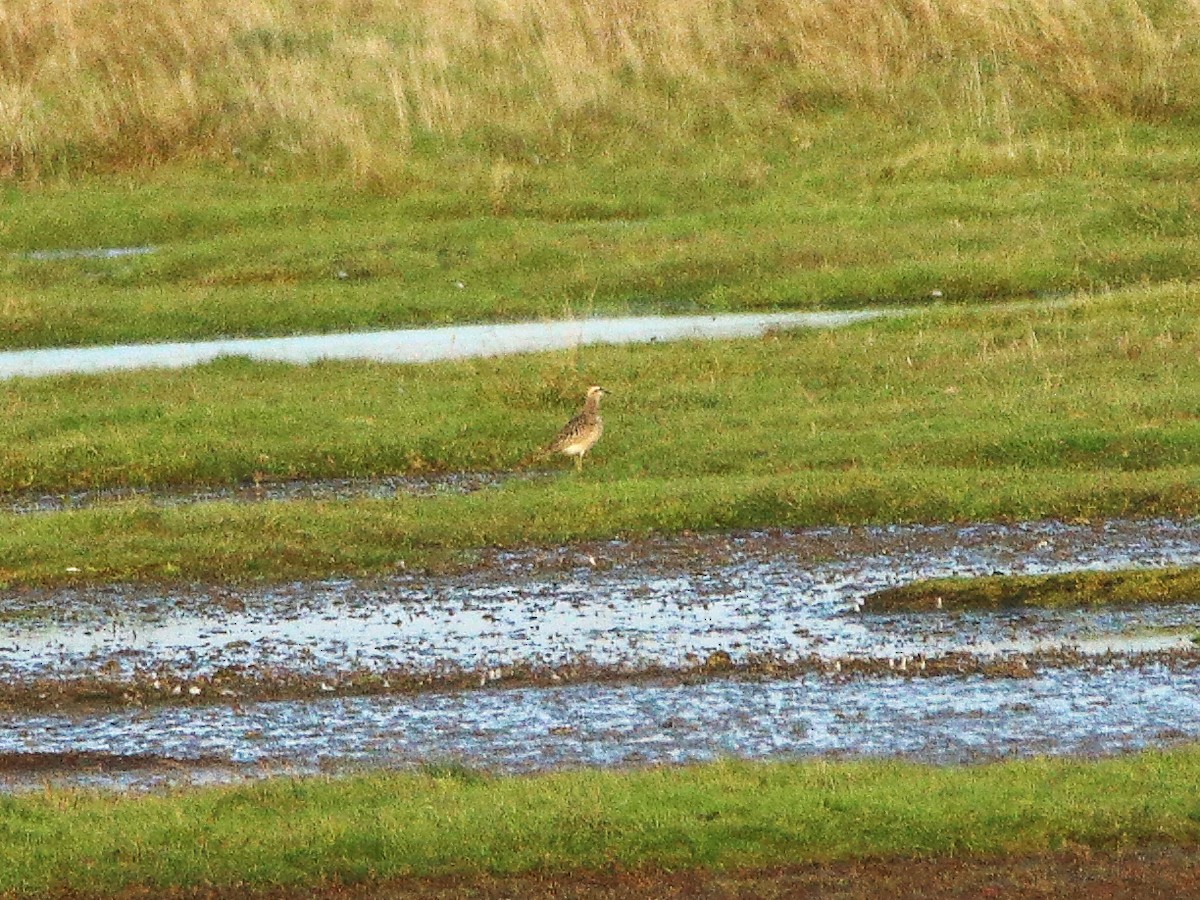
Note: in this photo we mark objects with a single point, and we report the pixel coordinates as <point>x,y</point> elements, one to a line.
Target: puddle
<point>941,720</point>
<point>422,345</point>
<point>799,669</point>
<point>613,605</point>
<point>377,488</point>
<point>87,253</point>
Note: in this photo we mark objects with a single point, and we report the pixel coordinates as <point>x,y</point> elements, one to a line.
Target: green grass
<point>786,220</point>
<point>330,166</point>
<point>1103,387</point>
<point>283,832</point>
<point>216,542</point>
<point>1076,411</point>
<point>1070,589</point>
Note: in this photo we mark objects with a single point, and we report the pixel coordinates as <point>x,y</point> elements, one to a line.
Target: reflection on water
<point>88,253</point>
<point>793,595</point>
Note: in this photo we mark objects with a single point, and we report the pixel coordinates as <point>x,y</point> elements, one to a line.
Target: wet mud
<point>15,762</point>
<point>1154,872</point>
<point>612,653</point>
<point>947,720</point>
<point>377,488</point>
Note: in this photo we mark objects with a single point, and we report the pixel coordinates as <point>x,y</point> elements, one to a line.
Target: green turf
<point>1077,411</point>
<point>706,227</point>
<point>218,542</point>
<point>449,820</point>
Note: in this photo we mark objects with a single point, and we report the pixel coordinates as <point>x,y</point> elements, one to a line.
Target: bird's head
<point>595,392</point>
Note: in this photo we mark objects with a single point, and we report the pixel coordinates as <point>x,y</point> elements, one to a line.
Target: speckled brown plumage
<point>580,434</point>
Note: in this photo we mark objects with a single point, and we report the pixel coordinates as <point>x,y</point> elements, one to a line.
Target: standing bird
<point>580,434</point>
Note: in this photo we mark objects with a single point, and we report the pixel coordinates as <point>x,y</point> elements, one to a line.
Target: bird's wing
<point>569,433</point>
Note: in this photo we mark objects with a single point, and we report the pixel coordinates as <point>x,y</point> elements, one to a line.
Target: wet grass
<point>447,819</point>
<point>331,166</point>
<point>1079,411</point>
<point>232,542</point>
<point>327,165</point>
<point>1071,589</point>
<point>785,219</point>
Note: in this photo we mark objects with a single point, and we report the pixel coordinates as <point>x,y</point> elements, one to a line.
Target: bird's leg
<point>579,463</point>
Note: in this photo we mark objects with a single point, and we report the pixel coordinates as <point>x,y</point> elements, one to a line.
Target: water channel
<point>422,345</point>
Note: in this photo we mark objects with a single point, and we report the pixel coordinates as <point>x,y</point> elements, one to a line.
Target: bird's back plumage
<point>580,434</point>
<point>584,427</point>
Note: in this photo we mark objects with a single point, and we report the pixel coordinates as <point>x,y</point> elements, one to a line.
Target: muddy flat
<point>377,488</point>
<point>610,654</point>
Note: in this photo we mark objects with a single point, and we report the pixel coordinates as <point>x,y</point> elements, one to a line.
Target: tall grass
<point>361,85</point>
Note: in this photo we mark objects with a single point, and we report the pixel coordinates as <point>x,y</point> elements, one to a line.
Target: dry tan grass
<point>100,83</point>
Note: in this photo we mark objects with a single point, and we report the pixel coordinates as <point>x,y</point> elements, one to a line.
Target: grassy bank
<point>1077,411</point>
<point>225,542</point>
<point>1102,387</point>
<point>721,815</point>
<point>908,215</point>
<point>1072,589</point>
<point>330,165</point>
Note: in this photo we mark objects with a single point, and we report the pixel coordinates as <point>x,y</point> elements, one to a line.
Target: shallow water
<point>940,720</point>
<point>420,345</point>
<point>87,253</point>
<point>787,594</point>
<point>628,606</point>
<point>379,488</point>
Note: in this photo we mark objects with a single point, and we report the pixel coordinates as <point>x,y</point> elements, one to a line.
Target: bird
<point>580,434</point>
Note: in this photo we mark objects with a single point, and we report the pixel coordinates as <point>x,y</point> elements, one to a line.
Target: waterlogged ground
<point>379,488</point>
<point>421,345</point>
<point>604,654</point>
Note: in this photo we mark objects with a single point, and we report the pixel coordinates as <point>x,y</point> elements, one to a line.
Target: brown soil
<point>50,763</point>
<point>1133,874</point>
<point>235,685</point>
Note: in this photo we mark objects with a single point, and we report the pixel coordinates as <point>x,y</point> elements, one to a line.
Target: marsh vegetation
<point>332,165</point>
<point>1074,589</point>
<point>1080,410</point>
<point>347,164</point>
